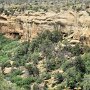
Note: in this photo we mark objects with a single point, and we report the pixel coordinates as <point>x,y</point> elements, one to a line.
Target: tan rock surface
<point>37,22</point>
<point>7,70</point>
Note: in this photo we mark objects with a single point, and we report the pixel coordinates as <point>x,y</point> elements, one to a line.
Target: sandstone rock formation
<point>27,26</point>
<point>7,70</point>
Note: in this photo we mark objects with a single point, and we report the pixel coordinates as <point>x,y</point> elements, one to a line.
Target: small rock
<point>7,70</point>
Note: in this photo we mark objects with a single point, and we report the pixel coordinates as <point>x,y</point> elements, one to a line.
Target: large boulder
<point>7,70</point>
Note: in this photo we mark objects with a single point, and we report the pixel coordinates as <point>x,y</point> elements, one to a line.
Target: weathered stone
<point>7,70</point>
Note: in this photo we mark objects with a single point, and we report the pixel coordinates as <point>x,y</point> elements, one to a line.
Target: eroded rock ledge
<point>75,25</point>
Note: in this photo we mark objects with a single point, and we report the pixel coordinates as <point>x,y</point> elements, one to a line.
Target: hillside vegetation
<point>48,62</point>
<point>44,44</point>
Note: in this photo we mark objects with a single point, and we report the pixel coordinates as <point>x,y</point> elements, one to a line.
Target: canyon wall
<point>68,22</point>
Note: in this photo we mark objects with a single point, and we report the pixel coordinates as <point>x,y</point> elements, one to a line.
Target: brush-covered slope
<point>48,62</point>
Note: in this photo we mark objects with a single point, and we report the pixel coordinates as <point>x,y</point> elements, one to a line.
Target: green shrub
<point>7,64</point>
<point>73,77</point>
<point>7,47</point>
<point>4,41</point>
<point>3,52</point>
<point>86,60</point>
<point>17,80</point>
<point>61,86</point>
<point>29,80</point>
<point>16,64</point>
<point>35,57</point>
<point>39,80</point>
<point>86,82</point>
<point>27,87</point>
<point>58,77</point>
<point>23,82</point>
<point>79,64</point>
<point>77,50</point>
<point>56,36</point>
<point>66,65</point>
<point>59,61</point>
<point>46,48</point>
<point>50,64</point>
<point>68,48</point>
<point>33,70</point>
<point>16,72</point>
<point>21,54</point>
<point>23,49</point>
<point>11,45</point>
<point>5,85</point>
<point>30,68</point>
<point>86,49</point>
<point>46,76</point>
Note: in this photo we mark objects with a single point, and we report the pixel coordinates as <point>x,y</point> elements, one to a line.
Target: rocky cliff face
<point>75,25</point>
<point>47,21</point>
<point>9,27</point>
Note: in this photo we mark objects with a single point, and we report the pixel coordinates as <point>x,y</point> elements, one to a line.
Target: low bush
<point>46,76</point>
<point>79,64</point>
<point>7,64</point>
<point>66,65</point>
<point>86,82</point>
<point>86,60</point>
<point>72,77</point>
<point>50,64</point>
<point>61,86</point>
<point>5,85</point>
<point>35,57</point>
<point>16,72</point>
<point>33,70</point>
<point>58,77</point>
